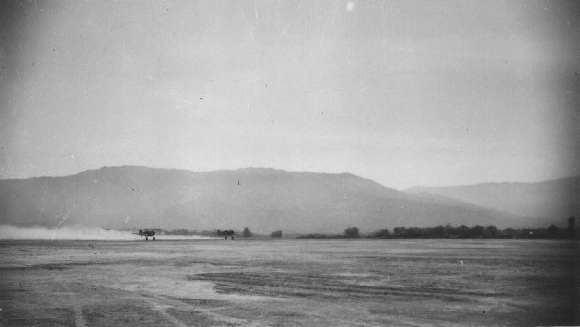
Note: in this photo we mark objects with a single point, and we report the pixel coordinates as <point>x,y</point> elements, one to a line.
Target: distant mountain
<point>261,199</point>
<point>552,201</point>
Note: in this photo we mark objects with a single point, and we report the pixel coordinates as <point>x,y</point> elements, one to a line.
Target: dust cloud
<point>9,232</point>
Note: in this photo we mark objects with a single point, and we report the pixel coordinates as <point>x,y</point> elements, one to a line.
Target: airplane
<point>147,233</point>
<point>226,233</point>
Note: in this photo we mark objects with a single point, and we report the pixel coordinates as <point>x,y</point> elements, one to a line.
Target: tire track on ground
<point>161,304</point>
<point>162,309</point>
<point>80,320</point>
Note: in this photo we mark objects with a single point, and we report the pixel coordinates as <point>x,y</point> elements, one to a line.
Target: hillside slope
<point>262,199</point>
<point>553,200</point>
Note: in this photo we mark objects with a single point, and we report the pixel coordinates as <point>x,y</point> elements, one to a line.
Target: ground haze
<point>287,283</point>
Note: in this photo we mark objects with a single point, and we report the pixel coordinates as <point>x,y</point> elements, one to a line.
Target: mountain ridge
<point>263,199</point>
<point>555,199</point>
<point>412,188</point>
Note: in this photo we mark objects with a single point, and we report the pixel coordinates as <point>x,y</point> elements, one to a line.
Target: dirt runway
<point>287,283</point>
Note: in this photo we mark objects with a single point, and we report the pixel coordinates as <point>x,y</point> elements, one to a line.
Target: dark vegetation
<point>351,232</point>
<point>178,232</point>
<point>247,232</point>
<point>276,234</point>
<point>476,232</point>
<point>319,236</point>
<point>447,231</point>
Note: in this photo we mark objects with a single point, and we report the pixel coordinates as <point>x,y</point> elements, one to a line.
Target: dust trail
<point>9,232</point>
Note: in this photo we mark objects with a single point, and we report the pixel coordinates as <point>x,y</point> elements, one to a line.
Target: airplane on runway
<point>226,233</point>
<point>147,233</point>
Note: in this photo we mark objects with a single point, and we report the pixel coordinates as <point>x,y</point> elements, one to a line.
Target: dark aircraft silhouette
<point>226,233</point>
<point>147,233</point>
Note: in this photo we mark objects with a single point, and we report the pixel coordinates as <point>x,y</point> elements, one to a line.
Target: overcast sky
<point>405,93</point>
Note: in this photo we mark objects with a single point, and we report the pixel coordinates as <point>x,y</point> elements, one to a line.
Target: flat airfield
<point>287,283</point>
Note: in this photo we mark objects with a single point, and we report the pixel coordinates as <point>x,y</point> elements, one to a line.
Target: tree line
<point>478,231</point>
<point>447,231</point>
<point>246,232</point>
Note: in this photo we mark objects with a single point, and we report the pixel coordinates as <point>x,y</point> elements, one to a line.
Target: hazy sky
<point>403,92</point>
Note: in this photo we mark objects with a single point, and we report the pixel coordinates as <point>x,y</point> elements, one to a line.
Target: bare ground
<point>287,283</point>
